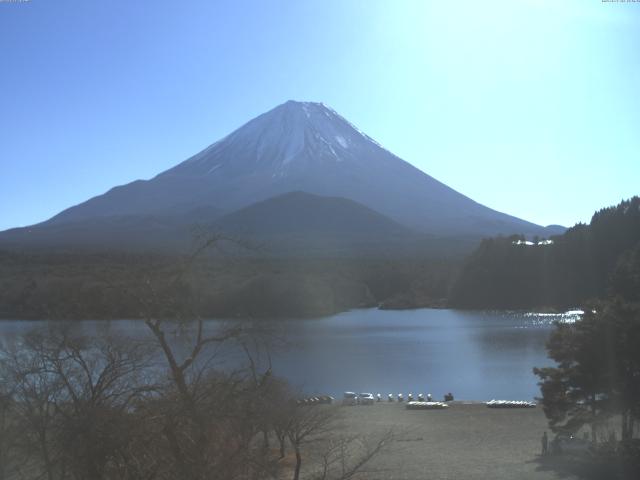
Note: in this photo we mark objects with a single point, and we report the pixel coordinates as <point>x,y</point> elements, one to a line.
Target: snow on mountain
<point>293,136</point>
<point>308,147</point>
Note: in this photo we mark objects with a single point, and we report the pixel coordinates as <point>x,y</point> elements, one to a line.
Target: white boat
<point>365,399</point>
<point>350,398</point>
<point>426,406</point>
<point>509,404</point>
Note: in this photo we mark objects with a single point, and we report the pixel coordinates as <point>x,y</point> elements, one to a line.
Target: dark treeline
<point>96,286</point>
<point>580,265</point>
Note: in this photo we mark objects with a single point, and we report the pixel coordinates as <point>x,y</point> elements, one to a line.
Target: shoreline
<point>380,308</point>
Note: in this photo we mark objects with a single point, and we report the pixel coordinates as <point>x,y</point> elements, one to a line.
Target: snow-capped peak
<point>290,135</point>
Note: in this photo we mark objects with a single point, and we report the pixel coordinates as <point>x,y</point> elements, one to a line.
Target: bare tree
<point>34,396</point>
<point>345,457</point>
<point>7,426</point>
<point>307,424</point>
<point>313,429</point>
<point>280,406</point>
<point>72,397</point>
<point>209,418</point>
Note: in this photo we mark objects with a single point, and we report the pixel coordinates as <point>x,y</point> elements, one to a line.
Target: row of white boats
<point>509,404</point>
<point>320,399</point>
<point>400,398</point>
<point>490,404</point>
<point>422,402</point>
<point>352,398</point>
<point>426,405</point>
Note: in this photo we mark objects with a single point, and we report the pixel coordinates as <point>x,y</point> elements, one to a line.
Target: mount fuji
<point>295,147</point>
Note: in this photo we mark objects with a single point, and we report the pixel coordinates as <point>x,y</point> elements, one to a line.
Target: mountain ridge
<point>305,147</point>
<point>295,220</point>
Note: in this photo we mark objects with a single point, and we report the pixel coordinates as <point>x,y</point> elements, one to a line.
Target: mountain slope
<point>302,146</point>
<point>300,222</point>
<point>302,213</point>
<point>109,232</point>
<point>295,220</point>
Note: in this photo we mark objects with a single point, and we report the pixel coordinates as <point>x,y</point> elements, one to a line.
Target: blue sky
<point>529,107</point>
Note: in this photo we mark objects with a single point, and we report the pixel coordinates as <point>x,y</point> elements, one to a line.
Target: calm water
<point>474,355</point>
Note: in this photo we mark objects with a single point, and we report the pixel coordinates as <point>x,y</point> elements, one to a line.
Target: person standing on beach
<point>545,443</point>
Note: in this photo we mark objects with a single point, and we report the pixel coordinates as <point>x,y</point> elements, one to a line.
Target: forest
<point>75,285</point>
<point>501,273</point>
<point>582,264</point>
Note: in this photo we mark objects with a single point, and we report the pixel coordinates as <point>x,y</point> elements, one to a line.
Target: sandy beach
<point>466,441</point>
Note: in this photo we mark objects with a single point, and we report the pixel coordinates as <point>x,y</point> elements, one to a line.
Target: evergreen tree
<point>578,266</point>
<point>598,369</point>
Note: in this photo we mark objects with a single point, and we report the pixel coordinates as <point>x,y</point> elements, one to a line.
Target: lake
<point>475,355</point>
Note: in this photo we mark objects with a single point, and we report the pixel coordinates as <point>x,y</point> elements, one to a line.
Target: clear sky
<point>529,107</point>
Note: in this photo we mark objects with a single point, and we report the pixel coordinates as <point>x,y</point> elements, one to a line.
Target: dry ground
<point>466,441</point>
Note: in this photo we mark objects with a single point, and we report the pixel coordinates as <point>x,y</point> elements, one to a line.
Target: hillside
<point>583,263</point>
<point>78,285</point>
<point>302,213</point>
